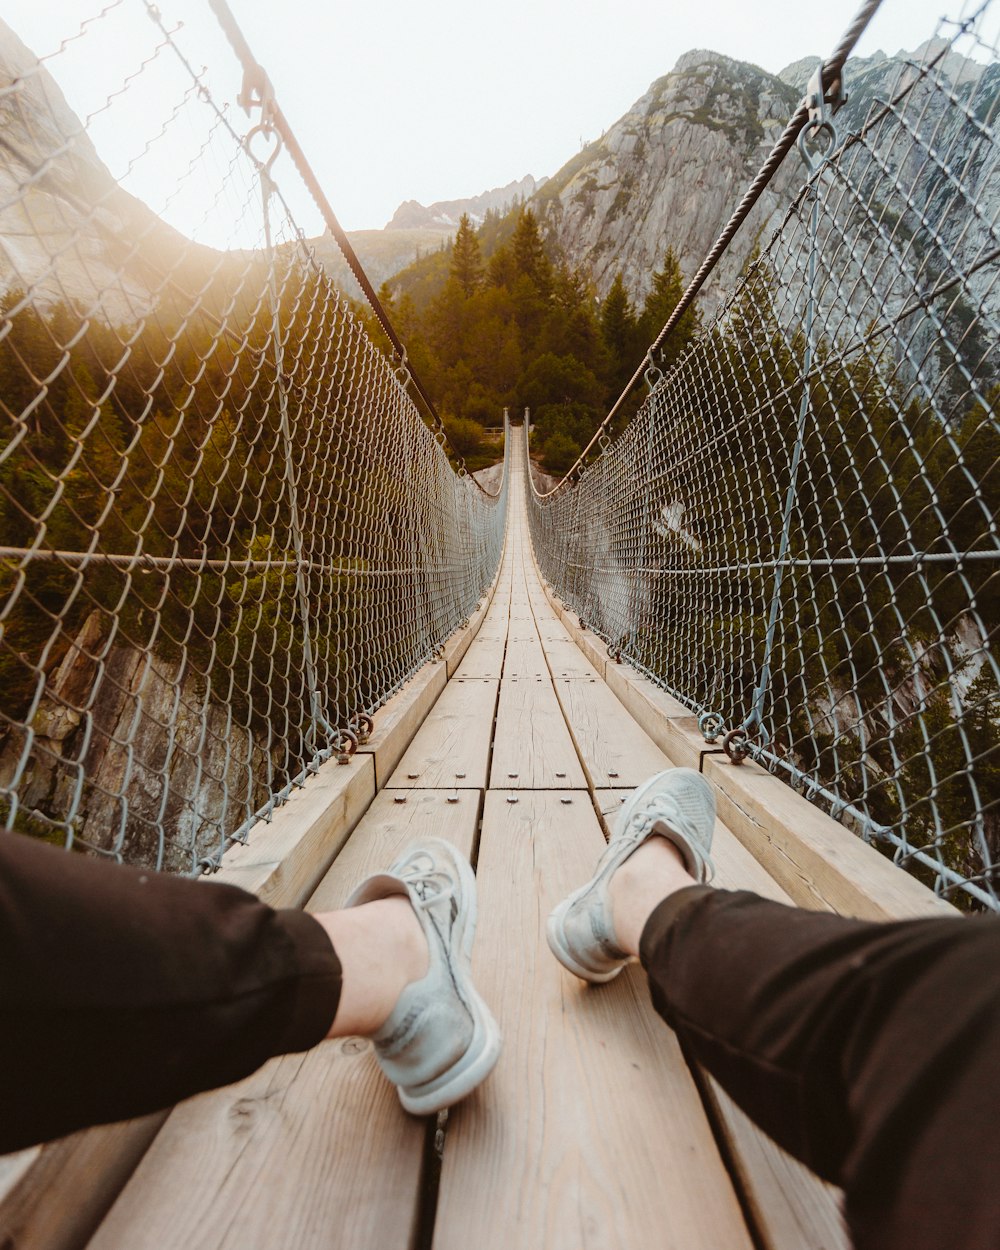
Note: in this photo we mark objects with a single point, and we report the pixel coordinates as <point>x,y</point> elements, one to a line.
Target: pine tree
<point>620,329</point>
<point>466,257</point>
<point>529,252</point>
<point>668,287</point>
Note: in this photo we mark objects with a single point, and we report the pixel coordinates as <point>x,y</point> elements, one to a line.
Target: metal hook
<point>267,129</point>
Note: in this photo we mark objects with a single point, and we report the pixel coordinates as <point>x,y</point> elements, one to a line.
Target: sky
<point>443,99</point>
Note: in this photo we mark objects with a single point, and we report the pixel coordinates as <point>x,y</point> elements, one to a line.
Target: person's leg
<point>870,1051</point>
<point>123,991</point>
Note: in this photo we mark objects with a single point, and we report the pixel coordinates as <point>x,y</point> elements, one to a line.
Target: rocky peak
<point>444,215</point>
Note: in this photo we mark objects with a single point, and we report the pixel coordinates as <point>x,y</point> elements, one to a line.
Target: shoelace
<point>428,882</point>
<point>662,807</point>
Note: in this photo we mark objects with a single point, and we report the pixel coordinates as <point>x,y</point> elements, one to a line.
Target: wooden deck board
<point>484,658</point>
<point>532,748</point>
<point>567,660</point>
<point>614,750</point>
<point>313,1151</point>
<point>452,747</point>
<point>591,1131</point>
<point>525,657</point>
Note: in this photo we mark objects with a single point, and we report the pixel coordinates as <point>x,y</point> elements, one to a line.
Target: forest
<point>494,321</point>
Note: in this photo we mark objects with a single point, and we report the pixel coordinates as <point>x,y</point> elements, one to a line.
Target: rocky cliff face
<point>98,755</point>
<point>68,232</point>
<point>670,172</point>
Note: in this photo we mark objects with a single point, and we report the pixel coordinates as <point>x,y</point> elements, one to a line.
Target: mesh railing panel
<point>226,530</point>
<point>798,531</point>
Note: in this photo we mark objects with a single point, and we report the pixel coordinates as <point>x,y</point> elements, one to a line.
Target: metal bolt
<point>512,774</point>
<point>399,798</point>
<point>460,774</point>
<point>566,799</point>
<point>560,774</point>
<point>452,798</point>
<point>511,798</point>
<point>612,773</point>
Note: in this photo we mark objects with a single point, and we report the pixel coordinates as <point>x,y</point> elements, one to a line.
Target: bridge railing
<point>228,533</point>
<point>796,536</point>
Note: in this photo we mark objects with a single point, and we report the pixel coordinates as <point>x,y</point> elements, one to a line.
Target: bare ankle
<point>652,873</point>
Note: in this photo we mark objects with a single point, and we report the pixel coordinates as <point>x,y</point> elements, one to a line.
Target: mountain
<point>670,171</point>
<point>444,214</point>
<point>415,230</point>
<point>67,229</point>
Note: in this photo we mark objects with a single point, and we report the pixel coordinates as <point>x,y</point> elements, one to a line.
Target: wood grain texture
<point>566,660</point>
<point>313,1151</point>
<point>452,746</point>
<point>283,860</point>
<point>525,657</point>
<point>483,659</point>
<point>532,748</point>
<point>614,750</point>
<point>400,718</point>
<point>590,1132</point>
<point>59,1199</point>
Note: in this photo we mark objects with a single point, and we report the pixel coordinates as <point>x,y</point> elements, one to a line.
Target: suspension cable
<point>832,71</point>
<point>258,90</point>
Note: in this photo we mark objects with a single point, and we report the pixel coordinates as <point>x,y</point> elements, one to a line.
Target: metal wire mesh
<point>227,531</point>
<point>797,534</point>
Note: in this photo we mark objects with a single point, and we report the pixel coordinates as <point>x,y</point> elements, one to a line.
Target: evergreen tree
<point>620,329</point>
<point>668,287</point>
<point>466,258</point>
<point>528,252</point>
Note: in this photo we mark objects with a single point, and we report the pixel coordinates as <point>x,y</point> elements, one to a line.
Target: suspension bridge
<point>261,626</point>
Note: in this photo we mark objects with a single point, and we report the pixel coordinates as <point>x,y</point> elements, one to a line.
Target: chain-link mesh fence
<point>797,534</point>
<point>227,533</point>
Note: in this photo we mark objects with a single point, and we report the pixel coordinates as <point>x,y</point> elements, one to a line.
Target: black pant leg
<point>123,991</point>
<point>869,1051</point>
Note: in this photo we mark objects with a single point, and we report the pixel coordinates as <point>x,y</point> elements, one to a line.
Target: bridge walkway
<point>592,1131</point>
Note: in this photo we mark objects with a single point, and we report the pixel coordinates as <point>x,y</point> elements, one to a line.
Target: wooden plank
<point>614,750</point>
<point>792,1208</point>
<point>53,1197</point>
<point>283,860</point>
<point>483,659</point>
<point>452,747</point>
<point>590,1132</point>
<point>819,862</point>
<point>401,717</point>
<point>389,827</point>
<point>313,1151</point>
<point>525,659</point>
<point>532,748</point>
<point>566,660</point>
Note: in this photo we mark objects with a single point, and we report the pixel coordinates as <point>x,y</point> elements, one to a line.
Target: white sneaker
<point>441,1040</point>
<point>678,805</point>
